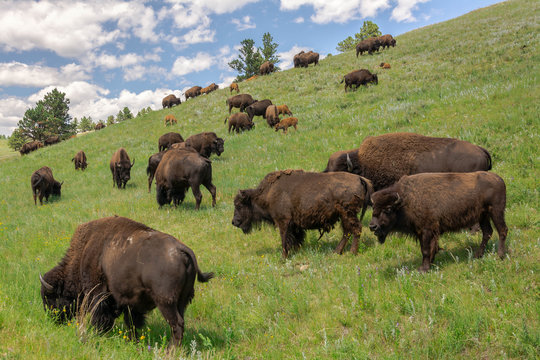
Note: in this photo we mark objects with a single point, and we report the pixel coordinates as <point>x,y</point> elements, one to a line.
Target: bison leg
<point>212,189</point>
<point>283,232</point>
<point>161,195</point>
<point>133,320</point>
<point>150,179</point>
<point>195,189</point>
<point>175,321</point>
<point>497,215</point>
<point>487,231</point>
<point>429,244</point>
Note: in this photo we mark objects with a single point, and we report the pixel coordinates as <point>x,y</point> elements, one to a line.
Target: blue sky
<point>106,55</point>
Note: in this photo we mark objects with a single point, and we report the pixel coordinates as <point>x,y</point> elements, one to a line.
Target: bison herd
<point>416,185</point>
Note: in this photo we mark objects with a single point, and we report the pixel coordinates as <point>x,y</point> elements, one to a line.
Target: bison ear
<point>245,196</point>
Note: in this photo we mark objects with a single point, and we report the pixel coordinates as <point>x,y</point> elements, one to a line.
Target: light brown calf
<point>284,109</point>
<point>234,86</point>
<point>286,123</point>
<point>385,65</point>
<point>170,119</point>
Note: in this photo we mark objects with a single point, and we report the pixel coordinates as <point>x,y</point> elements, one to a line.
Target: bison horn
<point>45,284</point>
<point>133,162</point>
<point>398,200</point>
<point>62,183</point>
<point>349,164</point>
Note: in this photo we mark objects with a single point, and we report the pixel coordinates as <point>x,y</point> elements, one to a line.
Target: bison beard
<point>117,265</point>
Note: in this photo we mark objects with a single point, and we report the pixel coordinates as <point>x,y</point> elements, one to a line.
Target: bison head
<point>57,187</point>
<point>386,205</point>
<point>218,146</point>
<point>243,211</point>
<point>124,170</point>
<point>375,79</point>
<point>54,300</point>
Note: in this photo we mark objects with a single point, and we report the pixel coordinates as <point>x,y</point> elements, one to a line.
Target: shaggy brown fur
<point>193,92</point>
<point>430,204</point>
<point>284,109</point>
<point>386,158</point>
<point>169,120</point>
<point>43,182</point>
<point>271,115</point>
<point>120,266</point>
<point>99,126</point>
<point>240,101</point>
<point>385,65</point>
<point>51,140</point>
<point>169,101</point>
<point>287,123</point>
<point>207,90</point>
<point>80,160</point>
<point>295,201</point>
<point>206,143</point>
<point>386,41</point>
<point>359,77</point>
<point>166,140</point>
<point>239,122</point>
<point>258,108</point>
<point>30,146</point>
<point>370,45</point>
<point>234,86</point>
<point>266,68</point>
<point>120,168</point>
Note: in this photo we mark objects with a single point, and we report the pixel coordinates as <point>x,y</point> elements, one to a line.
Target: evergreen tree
<point>17,140</point>
<point>269,49</point>
<point>126,114</point>
<point>110,120</point>
<point>251,58</point>
<point>368,29</point>
<point>86,124</point>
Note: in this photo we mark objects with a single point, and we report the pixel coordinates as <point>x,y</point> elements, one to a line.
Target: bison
<point>297,59</point>
<point>370,45</point>
<point>284,109</point>
<point>303,59</point>
<point>240,101</point>
<point>272,116</point>
<point>359,77</point>
<point>239,122</point>
<point>428,205</point>
<point>120,168</point>
<point>170,100</point>
<point>116,266</point>
<point>52,140</point>
<point>295,201</point>
<point>193,92</point>
<point>166,140</point>
<point>252,78</point>
<point>100,125</point>
<point>384,65</point>
<point>234,86</point>
<point>206,143</point>
<point>80,160</point>
<point>386,158</point>
<point>43,182</point>
<point>153,162</point>
<point>179,170</point>
<point>258,108</point>
<point>30,146</point>
<point>287,123</point>
<point>169,119</point>
<point>207,90</point>
<point>266,68</point>
<point>386,41</point>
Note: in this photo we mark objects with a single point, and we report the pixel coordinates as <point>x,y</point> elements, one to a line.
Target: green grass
<point>5,151</point>
<point>475,78</point>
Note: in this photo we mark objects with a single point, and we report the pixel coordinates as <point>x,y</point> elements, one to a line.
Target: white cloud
<point>11,111</point>
<point>286,58</point>
<point>403,11</point>
<point>19,74</point>
<point>226,80</point>
<point>339,11</point>
<point>243,24</point>
<point>184,65</point>
<point>299,20</point>
<point>225,57</point>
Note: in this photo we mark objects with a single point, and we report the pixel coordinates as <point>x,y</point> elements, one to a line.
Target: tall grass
<point>473,78</point>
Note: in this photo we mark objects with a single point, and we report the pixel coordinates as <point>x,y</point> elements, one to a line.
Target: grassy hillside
<point>475,78</point>
<point>5,151</point>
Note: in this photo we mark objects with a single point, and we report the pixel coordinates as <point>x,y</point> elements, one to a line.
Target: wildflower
<point>125,337</point>
<point>142,337</point>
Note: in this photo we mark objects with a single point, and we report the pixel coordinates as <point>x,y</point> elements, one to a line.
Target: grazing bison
<point>234,86</point>
<point>386,158</point>
<point>120,168</point>
<point>385,65</point>
<point>266,68</point>
<point>252,78</point>
<point>170,100</point>
<point>284,109</point>
<point>240,101</point>
<point>370,45</point>
<point>209,89</point>
<point>52,140</point>
<point>206,143</point>
<point>297,59</point>
<point>179,170</point>
<point>193,92</point>
<point>80,160</point>
<point>428,205</point>
<point>239,122</point>
<point>258,108</point>
<point>303,59</point>
<point>153,162</point>
<point>30,146</point>
<point>359,77</point>
<point>169,119</point>
<point>118,266</point>
<point>43,182</point>
<point>386,41</point>
<point>287,123</point>
<point>100,125</point>
<point>295,201</point>
<point>272,116</point>
<point>166,140</point>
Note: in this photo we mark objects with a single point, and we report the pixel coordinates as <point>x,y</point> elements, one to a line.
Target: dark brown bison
<point>272,115</point>
<point>118,266</point>
<point>386,158</point>
<point>170,119</point>
<point>258,108</point>
<point>179,170</point>
<point>370,45</point>
<point>43,182</point>
<point>287,123</point>
<point>266,68</point>
<point>240,101</point>
<point>428,205</point>
<point>295,201</point>
<point>30,146</point>
<point>359,77</point>
<point>153,162</point>
<point>303,59</point>
<point>52,140</point>
<point>386,41</point>
<point>166,140</point>
<point>384,65</point>
<point>234,86</point>
<point>297,59</point>
<point>239,122</point>
<point>170,100</point>
<point>207,90</point>
<point>80,160</point>
<point>100,125</point>
<point>284,109</point>
<point>193,92</point>
<point>120,168</point>
<point>206,143</point>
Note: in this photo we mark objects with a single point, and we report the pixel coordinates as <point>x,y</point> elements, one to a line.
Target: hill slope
<point>473,78</point>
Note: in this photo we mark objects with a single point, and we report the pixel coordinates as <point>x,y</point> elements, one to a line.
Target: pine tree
<point>269,49</point>
<point>368,29</point>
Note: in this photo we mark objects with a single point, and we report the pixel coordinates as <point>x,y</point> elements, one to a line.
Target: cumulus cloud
<point>243,24</point>
<point>403,11</point>
<point>286,58</point>
<point>11,111</point>
<point>299,20</point>
<point>184,65</point>
<point>19,74</point>
<point>339,11</point>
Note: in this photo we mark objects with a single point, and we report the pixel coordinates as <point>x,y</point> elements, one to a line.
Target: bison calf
<point>234,86</point>
<point>384,65</point>
<point>287,123</point>
<point>272,116</point>
<point>43,182</point>
<point>284,109</point>
<point>429,204</point>
<point>169,120</point>
<point>295,201</point>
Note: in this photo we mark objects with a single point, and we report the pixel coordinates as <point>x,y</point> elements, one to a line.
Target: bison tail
<point>204,277</point>
<point>367,198</point>
<point>225,120</point>
<point>342,80</point>
<point>489,162</point>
